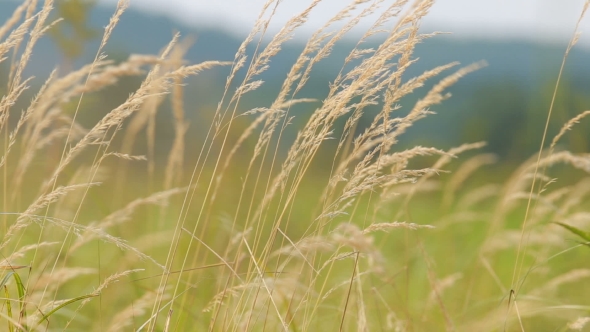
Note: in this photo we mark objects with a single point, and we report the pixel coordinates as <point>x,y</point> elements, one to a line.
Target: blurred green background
<point>504,104</point>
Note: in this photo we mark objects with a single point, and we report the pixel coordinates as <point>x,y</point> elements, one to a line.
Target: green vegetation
<point>122,209</point>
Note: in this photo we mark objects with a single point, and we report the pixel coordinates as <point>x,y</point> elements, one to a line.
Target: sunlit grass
<point>256,229</point>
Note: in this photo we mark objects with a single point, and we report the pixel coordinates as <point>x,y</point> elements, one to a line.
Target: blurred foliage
<point>511,117</point>
<point>75,31</point>
<point>505,109</point>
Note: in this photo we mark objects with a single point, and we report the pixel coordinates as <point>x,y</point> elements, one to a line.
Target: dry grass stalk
<point>43,201</point>
<point>478,195</point>
<point>462,174</point>
<point>366,176</point>
<point>541,165</point>
<point>386,227</point>
<point>128,316</point>
<point>578,324</point>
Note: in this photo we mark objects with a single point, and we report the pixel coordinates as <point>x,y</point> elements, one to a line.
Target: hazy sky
<point>548,20</point>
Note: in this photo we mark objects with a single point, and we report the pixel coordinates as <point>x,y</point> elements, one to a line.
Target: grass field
<point>254,228</point>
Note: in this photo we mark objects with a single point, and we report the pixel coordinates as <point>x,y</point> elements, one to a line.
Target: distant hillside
<point>139,32</point>
<point>510,85</point>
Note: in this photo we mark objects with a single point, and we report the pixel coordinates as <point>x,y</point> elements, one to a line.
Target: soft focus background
<point>480,247</point>
<point>504,104</point>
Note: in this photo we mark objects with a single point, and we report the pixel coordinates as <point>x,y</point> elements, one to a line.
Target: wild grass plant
<point>238,233</point>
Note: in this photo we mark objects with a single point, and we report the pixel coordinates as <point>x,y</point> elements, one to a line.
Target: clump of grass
<point>376,244</point>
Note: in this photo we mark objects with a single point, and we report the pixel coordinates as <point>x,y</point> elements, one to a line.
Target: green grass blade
<point>6,277</point>
<point>21,292</point>
<point>21,296</point>
<point>577,231</point>
<point>8,308</point>
<point>54,310</point>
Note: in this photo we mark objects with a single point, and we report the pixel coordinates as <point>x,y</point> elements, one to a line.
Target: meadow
<point>276,219</point>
